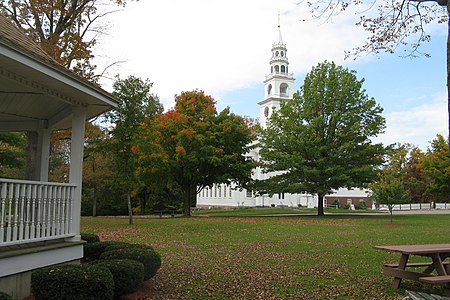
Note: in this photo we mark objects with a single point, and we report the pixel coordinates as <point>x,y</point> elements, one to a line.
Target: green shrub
<point>127,246</point>
<point>148,257</point>
<point>90,237</point>
<point>128,274</point>
<point>92,251</point>
<point>361,205</point>
<point>5,296</point>
<point>72,282</point>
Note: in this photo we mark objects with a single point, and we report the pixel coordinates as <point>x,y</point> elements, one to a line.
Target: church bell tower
<point>279,83</point>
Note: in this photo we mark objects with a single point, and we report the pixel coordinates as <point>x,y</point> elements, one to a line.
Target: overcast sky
<point>224,47</point>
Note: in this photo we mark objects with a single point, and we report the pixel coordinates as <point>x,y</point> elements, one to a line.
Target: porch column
<point>43,155</point>
<point>76,165</point>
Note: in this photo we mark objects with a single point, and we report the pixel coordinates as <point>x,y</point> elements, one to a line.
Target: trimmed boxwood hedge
<point>148,257</point>
<point>72,282</point>
<point>126,246</point>
<point>128,274</point>
<point>90,237</point>
<point>92,251</point>
<point>5,296</point>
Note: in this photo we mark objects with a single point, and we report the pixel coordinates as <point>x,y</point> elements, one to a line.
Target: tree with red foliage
<point>193,146</point>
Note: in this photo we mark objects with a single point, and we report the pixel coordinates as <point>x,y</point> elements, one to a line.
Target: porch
<point>40,220</point>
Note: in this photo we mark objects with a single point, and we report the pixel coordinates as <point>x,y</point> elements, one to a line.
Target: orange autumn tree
<point>193,146</point>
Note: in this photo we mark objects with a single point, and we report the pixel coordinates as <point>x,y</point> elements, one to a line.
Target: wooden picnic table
<point>438,254</point>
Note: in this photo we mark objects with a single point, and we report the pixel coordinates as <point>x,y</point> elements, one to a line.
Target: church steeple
<point>279,83</point>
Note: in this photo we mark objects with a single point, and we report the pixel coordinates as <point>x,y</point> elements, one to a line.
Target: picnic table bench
<point>438,254</point>
<point>424,296</point>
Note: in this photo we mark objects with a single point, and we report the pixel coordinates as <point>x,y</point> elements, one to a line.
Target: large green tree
<point>321,139</point>
<point>194,146</point>
<point>392,24</point>
<point>136,104</point>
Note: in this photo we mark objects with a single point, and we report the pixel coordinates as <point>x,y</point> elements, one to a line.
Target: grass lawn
<point>297,257</point>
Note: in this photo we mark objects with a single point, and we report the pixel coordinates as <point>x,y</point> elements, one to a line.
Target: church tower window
<point>277,69</point>
<point>284,89</point>
<point>269,89</point>
<point>283,69</point>
<point>266,111</point>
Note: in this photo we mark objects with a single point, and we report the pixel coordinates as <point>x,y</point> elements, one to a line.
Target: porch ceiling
<point>36,92</point>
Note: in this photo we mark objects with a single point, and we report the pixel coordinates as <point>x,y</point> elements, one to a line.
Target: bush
<point>361,205</point>
<point>128,274</point>
<point>5,296</point>
<point>72,282</point>
<point>148,257</point>
<point>127,246</point>
<point>90,237</point>
<point>92,251</point>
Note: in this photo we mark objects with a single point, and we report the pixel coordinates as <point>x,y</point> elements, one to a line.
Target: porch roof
<point>37,92</point>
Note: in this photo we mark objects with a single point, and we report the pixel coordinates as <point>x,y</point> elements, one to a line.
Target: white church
<point>278,87</point>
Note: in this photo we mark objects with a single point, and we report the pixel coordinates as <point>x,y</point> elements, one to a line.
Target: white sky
<point>223,48</point>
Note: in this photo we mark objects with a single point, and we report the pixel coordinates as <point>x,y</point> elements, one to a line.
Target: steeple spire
<point>280,39</point>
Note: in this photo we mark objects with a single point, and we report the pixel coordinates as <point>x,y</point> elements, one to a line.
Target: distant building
<point>278,87</point>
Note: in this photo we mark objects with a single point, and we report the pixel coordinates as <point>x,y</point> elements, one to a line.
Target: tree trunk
<point>130,211</point>
<point>30,153</point>
<point>187,202</point>
<point>320,206</point>
<point>390,210</point>
<point>94,202</point>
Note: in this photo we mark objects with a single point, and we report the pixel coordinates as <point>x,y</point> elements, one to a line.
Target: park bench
<point>415,265</point>
<point>424,296</point>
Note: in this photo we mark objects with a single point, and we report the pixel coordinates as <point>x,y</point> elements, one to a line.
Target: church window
<point>269,89</point>
<point>283,69</point>
<point>230,192</point>
<point>284,89</point>
<point>280,195</point>
<point>215,191</point>
<point>277,69</point>
<point>249,193</point>
<point>271,69</point>
<point>266,111</point>
<point>224,190</point>
<point>210,192</point>
<point>220,191</point>
<point>287,70</point>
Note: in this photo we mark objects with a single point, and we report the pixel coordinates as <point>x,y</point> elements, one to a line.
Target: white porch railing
<point>35,211</point>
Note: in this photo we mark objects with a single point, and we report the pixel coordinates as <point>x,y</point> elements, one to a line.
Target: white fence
<point>417,206</point>
<point>34,211</point>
